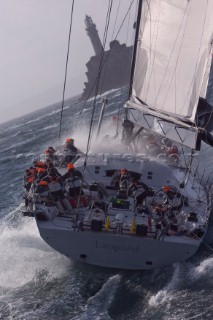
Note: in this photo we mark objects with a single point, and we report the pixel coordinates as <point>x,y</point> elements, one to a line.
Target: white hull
<point>118,246</point>
<point>117,251</point>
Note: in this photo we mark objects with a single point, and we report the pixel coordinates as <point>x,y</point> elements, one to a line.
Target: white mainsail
<point>173,56</point>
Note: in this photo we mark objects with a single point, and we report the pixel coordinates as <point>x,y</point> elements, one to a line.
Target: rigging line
<point>127,13</point>
<point>118,121</point>
<point>190,166</point>
<point>184,157</point>
<point>119,110</point>
<point>67,60</point>
<point>107,25</point>
<point>111,42</point>
<point>125,80</point>
<point>103,51</point>
<point>124,19</point>
<point>105,60</point>
<point>125,77</point>
<point>201,240</point>
<point>101,64</point>
<point>196,66</point>
<point>102,56</point>
<point>116,18</point>
<point>209,118</point>
<point>97,84</point>
<point>95,99</point>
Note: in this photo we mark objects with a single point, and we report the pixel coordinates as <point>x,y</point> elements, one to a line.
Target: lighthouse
<point>93,35</point>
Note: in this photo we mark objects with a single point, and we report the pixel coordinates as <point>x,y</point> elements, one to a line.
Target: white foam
<point>31,154</point>
<point>24,254</point>
<point>205,268</point>
<point>49,127</point>
<point>19,155</point>
<point>166,294</point>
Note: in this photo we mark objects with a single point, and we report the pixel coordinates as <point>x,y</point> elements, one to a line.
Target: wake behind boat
<point>146,205</point>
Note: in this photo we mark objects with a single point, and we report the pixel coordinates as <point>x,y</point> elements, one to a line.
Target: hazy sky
<point>33,47</point>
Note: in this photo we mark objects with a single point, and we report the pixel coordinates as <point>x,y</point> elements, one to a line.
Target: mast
<point>140,2</point>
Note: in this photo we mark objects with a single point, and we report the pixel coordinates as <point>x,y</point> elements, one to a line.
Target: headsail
<point>173,59</point>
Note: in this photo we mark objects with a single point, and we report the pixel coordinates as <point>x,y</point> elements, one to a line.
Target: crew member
<point>70,151</point>
<point>152,146</point>
<point>127,133</point>
<point>139,190</point>
<point>172,153</point>
<point>42,189</point>
<point>50,153</point>
<point>39,164</point>
<point>73,179</point>
<point>55,186</point>
<point>40,173</point>
<point>121,179</point>
<point>48,163</point>
<point>28,178</point>
<point>51,168</point>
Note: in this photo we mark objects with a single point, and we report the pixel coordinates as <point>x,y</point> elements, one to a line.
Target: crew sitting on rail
<point>48,162</point>
<point>138,190</point>
<point>41,173</point>
<point>28,178</point>
<point>51,150</point>
<point>50,153</point>
<point>51,167</point>
<point>42,189</point>
<point>55,186</point>
<point>73,181</point>
<point>70,152</point>
<point>39,164</point>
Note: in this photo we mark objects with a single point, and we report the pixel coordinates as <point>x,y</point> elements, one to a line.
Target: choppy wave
<point>166,294</point>
<point>98,305</point>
